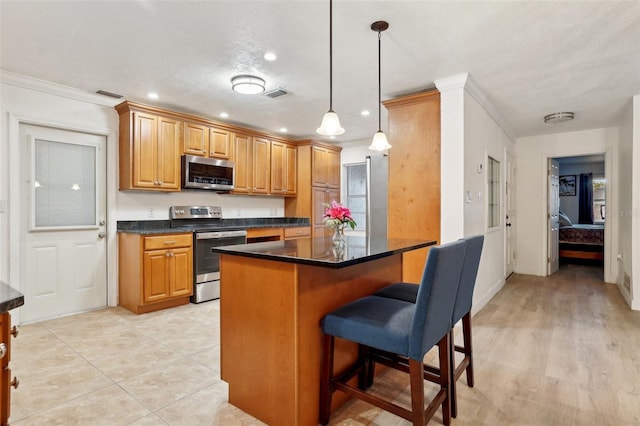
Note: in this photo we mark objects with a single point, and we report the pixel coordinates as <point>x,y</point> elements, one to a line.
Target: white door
<point>510,218</point>
<point>63,245</point>
<point>553,209</point>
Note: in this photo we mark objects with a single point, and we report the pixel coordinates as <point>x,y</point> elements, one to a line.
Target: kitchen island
<point>273,296</point>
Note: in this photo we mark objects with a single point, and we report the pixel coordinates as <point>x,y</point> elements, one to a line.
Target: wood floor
<point>560,350</point>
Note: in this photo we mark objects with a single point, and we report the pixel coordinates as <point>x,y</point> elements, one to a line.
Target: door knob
<point>102,234</point>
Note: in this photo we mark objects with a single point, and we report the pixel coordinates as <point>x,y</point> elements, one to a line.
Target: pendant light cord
<point>379,85</point>
<point>330,55</point>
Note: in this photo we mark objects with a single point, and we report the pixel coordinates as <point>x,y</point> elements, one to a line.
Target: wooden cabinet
<point>206,141</point>
<point>284,169</point>
<point>196,139</point>
<point>252,158</point>
<point>219,143</point>
<point>318,183</point>
<point>149,150</point>
<point>297,232</point>
<point>414,163</point>
<point>155,272</point>
<point>325,167</point>
<point>6,332</point>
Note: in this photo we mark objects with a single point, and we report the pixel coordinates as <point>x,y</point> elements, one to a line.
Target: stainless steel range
<point>206,224</point>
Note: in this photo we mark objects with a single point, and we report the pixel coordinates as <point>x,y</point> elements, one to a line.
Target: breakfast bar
<point>273,297</point>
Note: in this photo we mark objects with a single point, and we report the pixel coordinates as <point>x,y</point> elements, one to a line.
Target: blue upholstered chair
<point>461,311</point>
<point>404,331</point>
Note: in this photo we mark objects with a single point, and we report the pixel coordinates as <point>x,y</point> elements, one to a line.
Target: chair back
<point>464,299</point>
<point>436,297</point>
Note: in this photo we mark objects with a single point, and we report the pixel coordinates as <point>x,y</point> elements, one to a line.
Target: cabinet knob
<point>15,383</point>
<point>15,331</point>
<point>3,350</point>
<point>160,182</point>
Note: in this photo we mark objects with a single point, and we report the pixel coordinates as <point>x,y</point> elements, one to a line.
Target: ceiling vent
<point>110,94</point>
<point>275,92</point>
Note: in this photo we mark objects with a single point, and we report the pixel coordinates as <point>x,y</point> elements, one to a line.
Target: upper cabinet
<point>153,139</point>
<point>149,150</point>
<point>284,169</point>
<point>325,167</point>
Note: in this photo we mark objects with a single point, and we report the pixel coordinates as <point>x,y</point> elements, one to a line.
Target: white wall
<point>531,192</point>
<point>470,131</point>
<point>627,212</point>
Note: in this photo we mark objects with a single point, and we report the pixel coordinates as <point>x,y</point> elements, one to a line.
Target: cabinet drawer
<point>299,232</point>
<point>168,241</point>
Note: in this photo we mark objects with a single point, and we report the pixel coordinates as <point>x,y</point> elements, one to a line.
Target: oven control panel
<point>195,212</point>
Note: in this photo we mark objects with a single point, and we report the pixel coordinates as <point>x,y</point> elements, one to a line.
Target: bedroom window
<point>599,206</point>
<point>493,192</point>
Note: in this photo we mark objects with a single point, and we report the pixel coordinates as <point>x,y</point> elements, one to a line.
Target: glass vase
<point>338,242</point>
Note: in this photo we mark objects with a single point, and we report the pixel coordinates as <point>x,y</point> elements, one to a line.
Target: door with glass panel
<point>63,244</point>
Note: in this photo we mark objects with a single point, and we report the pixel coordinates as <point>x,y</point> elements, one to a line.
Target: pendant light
<point>330,125</point>
<point>379,142</point>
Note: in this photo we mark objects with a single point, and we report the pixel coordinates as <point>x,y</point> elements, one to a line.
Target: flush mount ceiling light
<point>558,117</point>
<point>379,142</point>
<point>330,125</point>
<point>247,84</point>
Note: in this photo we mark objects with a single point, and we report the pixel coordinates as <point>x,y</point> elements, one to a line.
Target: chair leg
<point>452,375</point>
<point>468,348</point>
<point>417,392</point>
<point>445,376</point>
<point>363,361</point>
<point>326,373</point>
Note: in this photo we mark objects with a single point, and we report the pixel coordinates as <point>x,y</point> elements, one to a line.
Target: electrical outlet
<point>150,213</point>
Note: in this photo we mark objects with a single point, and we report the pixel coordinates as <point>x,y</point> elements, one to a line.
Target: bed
<point>578,241</point>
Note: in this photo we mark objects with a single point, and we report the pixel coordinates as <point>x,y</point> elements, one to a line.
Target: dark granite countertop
<point>164,226</point>
<point>10,298</point>
<point>320,252</point>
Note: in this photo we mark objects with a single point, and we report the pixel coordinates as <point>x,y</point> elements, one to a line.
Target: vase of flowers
<point>337,217</point>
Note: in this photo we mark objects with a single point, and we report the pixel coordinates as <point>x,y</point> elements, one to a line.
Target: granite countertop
<point>164,226</point>
<point>320,251</point>
<point>10,298</point>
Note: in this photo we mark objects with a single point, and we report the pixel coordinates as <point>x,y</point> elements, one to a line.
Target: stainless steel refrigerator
<point>377,183</point>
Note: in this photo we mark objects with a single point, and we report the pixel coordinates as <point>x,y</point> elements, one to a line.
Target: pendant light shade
<point>379,142</point>
<point>330,125</point>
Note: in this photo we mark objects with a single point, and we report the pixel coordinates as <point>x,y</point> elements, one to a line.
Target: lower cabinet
<point>155,272</point>
<point>6,331</point>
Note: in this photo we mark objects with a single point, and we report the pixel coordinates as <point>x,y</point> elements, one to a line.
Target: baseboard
<point>482,301</point>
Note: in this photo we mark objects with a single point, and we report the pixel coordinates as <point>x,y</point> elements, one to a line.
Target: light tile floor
<point>561,350</point>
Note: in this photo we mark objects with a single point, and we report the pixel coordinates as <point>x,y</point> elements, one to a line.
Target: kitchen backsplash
<point>155,206</point>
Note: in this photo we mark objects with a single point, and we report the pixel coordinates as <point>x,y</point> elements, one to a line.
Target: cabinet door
<point>181,272</point>
<point>242,156</point>
<point>278,168</point>
<point>318,166</point>
<point>291,167</point>
<point>145,150</point>
<point>220,143</point>
<point>196,139</point>
<point>155,284</point>
<point>169,134</point>
<point>261,165</point>
<point>332,167</point>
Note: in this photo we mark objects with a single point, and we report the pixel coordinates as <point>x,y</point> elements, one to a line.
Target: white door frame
<point>15,120</point>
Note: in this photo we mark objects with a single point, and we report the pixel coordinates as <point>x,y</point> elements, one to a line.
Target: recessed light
<point>270,56</point>
<point>152,95</point>
<point>224,115</point>
<point>365,113</point>
<point>283,129</point>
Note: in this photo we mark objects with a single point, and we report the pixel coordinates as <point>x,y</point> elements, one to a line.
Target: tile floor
<point>561,350</point>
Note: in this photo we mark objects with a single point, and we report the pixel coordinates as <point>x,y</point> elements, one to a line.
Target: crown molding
<point>464,81</point>
<point>19,80</point>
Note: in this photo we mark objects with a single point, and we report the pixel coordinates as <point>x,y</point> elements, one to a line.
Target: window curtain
<point>585,199</point>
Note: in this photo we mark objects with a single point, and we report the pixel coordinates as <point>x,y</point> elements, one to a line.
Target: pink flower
<point>336,214</point>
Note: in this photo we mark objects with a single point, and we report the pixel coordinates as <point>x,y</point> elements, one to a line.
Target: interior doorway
<point>581,200</point>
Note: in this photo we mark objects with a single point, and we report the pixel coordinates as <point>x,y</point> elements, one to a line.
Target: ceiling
<point>530,58</point>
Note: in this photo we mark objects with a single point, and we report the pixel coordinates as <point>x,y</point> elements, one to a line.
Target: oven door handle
<point>219,234</point>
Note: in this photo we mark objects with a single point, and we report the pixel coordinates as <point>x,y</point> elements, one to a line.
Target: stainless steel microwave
<point>207,173</point>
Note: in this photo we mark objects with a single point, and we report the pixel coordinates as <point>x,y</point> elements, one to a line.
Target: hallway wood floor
<point>560,350</point>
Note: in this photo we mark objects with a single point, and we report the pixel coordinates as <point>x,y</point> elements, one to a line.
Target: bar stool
<point>461,311</point>
<point>405,331</point>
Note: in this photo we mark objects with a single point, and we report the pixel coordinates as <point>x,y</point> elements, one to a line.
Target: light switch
<point>468,197</point>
